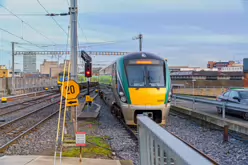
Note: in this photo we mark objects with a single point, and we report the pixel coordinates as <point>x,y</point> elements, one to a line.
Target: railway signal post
<point>88,74</point>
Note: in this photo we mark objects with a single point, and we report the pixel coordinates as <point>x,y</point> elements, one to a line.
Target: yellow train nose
<point>147,96</point>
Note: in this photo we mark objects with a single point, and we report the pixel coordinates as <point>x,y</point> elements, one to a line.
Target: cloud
<point>148,6</point>
<point>195,29</point>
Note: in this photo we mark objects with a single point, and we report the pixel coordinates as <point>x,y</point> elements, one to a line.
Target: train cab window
<point>155,76</point>
<point>136,75</point>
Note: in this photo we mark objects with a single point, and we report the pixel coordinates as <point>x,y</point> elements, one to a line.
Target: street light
<point>193,82</point>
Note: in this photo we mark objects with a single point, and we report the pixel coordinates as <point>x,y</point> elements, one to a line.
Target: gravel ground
<point>121,143</point>
<point>38,141</point>
<point>12,130</point>
<point>43,139</point>
<point>210,141</point>
<point>11,116</point>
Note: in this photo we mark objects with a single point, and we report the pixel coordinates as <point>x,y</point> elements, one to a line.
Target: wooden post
<point>225,135</point>
<point>80,154</point>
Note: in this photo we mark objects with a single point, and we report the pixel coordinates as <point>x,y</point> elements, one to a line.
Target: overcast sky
<point>187,32</point>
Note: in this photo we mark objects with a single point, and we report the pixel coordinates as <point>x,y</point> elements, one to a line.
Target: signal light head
<point>88,69</point>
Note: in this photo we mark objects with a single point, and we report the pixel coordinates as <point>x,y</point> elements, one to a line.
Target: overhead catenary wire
<point>80,27</point>
<point>34,14</point>
<point>27,24</point>
<point>104,43</point>
<point>53,18</point>
<point>21,38</point>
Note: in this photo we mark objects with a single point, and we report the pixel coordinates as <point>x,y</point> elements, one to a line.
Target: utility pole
<point>74,50</point>
<point>140,41</point>
<point>13,67</point>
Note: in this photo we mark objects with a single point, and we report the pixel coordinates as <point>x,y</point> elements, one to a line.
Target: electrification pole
<point>13,67</point>
<point>74,46</point>
<point>74,40</point>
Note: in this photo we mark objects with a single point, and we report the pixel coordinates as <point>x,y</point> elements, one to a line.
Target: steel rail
<point>26,131</point>
<point>16,110</point>
<point>26,115</point>
<point>25,101</point>
<point>3,147</point>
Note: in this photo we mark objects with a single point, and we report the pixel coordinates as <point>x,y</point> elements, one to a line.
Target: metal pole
<point>74,46</point>
<point>88,86</point>
<point>74,39</point>
<point>13,67</point>
<point>193,88</point>
<point>140,42</point>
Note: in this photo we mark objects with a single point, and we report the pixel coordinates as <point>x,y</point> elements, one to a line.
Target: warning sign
<point>81,139</point>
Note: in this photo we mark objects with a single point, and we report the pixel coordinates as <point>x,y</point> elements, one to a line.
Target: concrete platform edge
<point>48,160</point>
<point>233,125</point>
<point>97,111</point>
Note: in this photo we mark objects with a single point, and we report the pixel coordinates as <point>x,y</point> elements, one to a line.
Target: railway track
<point>133,132</point>
<point>11,131</point>
<point>26,104</point>
<point>27,96</point>
<point>25,101</point>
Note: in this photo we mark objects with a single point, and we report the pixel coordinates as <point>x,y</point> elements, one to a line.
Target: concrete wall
<point>25,85</point>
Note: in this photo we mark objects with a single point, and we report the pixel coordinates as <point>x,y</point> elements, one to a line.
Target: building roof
<point>206,73</point>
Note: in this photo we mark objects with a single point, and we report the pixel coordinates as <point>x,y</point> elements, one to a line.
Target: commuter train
<point>60,78</point>
<point>137,83</point>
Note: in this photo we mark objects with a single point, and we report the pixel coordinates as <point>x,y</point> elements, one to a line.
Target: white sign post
<point>81,141</point>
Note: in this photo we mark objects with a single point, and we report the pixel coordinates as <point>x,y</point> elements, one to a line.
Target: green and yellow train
<point>60,78</point>
<point>138,83</point>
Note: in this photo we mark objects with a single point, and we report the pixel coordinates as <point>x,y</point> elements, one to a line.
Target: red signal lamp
<point>88,68</point>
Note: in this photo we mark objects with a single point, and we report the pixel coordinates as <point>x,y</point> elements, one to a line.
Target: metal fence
<point>223,105</point>
<point>159,147</point>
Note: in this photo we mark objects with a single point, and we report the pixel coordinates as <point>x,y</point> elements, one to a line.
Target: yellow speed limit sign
<point>72,90</point>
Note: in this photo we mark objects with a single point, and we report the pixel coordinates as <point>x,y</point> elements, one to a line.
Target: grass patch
<point>96,147</point>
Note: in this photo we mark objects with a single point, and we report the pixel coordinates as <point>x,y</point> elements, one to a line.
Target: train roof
<point>136,55</point>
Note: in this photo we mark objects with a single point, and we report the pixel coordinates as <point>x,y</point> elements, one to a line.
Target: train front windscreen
<point>145,73</point>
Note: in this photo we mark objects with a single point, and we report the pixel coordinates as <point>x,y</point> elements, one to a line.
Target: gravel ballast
<point>43,138</point>
<point>209,141</point>
<point>121,142</point>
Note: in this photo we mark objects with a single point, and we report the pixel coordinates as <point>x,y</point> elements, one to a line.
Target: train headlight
<point>121,94</point>
<point>123,99</point>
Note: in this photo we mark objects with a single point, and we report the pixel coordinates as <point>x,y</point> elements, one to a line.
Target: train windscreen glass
<point>136,75</point>
<point>145,73</point>
<point>155,76</point>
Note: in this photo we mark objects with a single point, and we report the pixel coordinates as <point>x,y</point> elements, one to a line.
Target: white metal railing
<point>221,104</point>
<point>159,147</point>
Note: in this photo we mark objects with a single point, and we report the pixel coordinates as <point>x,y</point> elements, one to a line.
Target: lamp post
<point>193,82</point>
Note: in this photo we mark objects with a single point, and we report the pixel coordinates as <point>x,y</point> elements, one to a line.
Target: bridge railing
<point>221,104</point>
<point>159,147</point>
